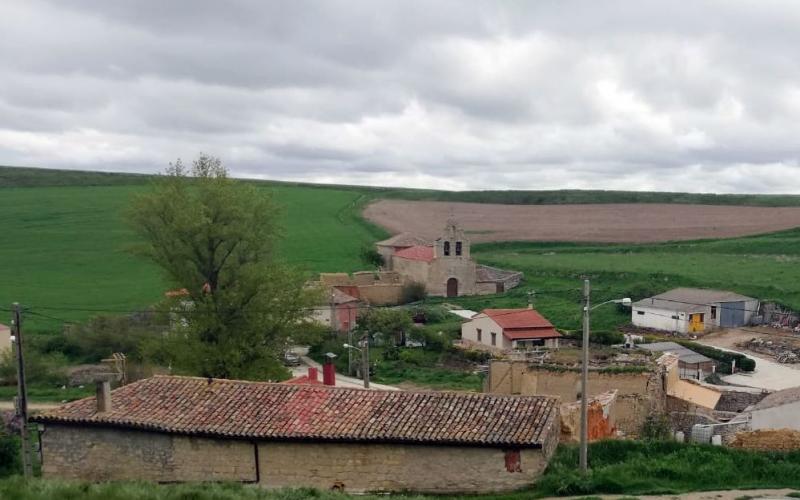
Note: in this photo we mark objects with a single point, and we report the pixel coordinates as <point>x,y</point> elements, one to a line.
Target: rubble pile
<point>783,351</point>
<point>767,439</point>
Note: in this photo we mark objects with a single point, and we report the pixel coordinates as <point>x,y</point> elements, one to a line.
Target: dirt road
<point>768,373</point>
<point>598,223</point>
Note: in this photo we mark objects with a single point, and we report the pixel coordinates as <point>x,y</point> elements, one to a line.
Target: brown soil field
<point>603,223</point>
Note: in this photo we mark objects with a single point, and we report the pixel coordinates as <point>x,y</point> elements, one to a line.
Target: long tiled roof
<point>261,410</point>
<point>518,318</point>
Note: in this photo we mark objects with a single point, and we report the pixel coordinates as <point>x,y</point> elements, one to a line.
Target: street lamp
<point>587,309</point>
<point>364,350</point>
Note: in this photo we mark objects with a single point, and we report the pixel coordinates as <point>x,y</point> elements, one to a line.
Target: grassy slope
<point>67,246</point>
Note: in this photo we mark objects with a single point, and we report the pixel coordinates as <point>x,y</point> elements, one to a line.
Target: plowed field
<point>621,223</point>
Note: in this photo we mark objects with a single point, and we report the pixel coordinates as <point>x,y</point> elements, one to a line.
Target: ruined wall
<point>381,294</point>
<point>767,440</point>
<point>639,394</point>
<point>104,454</point>
<point>412,270</point>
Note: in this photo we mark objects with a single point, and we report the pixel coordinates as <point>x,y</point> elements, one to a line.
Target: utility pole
<point>350,354</point>
<point>585,379</point>
<point>365,359</point>
<point>22,394</point>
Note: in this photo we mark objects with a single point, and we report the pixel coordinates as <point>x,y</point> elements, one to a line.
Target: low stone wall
<point>105,454</point>
<point>359,468</point>
<point>110,454</point>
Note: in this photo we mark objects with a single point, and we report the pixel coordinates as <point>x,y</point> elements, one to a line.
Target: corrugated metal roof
<point>690,299</point>
<point>684,354</point>
<point>261,410</point>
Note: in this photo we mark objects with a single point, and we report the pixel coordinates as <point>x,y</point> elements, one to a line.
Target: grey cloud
<point>535,95</point>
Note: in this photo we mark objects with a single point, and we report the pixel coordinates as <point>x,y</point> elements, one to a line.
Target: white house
<point>510,329</point>
<point>690,310</point>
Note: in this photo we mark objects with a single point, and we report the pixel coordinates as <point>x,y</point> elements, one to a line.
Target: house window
<point>640,313</point>
<point>675,317</point>
<point>447,248</point>
<point>494,338</point>
<point>480,335</point>
<point>713,312</point>
<point>458,248</point>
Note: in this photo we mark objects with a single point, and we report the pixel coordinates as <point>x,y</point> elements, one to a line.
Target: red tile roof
<point>261,410</point>
<point>416,253</point>
<point>404,240</point>
<point>521,324</point>
<point>303,379</point>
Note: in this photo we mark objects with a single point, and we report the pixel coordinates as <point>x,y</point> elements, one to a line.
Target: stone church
<point>444,266</point>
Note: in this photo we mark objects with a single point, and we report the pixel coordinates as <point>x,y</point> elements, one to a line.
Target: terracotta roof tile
<point>260,410</point>
<point>416,253</point>
<point>517,318</point>
<point>404,240</point>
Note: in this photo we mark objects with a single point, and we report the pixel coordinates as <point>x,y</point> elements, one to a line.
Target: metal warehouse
<point>692,310</point>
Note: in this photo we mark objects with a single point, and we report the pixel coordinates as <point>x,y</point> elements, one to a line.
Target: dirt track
<point>633,223</point>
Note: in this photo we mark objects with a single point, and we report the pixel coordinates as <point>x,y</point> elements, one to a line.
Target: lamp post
<point>587,309</point>
<point>364,350</point>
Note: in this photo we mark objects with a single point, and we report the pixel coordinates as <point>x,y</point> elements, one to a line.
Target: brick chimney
<point>328,370</point>
<point>103,393</point>
<point>313,373</point>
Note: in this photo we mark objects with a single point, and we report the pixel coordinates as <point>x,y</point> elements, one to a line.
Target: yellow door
<point>696,323</point>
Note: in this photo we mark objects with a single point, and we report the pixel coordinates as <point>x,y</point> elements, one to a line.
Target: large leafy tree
<point>215,237</point>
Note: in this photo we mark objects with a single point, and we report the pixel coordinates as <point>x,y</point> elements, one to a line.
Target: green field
<point>64,246</point>
<point>67,247</point>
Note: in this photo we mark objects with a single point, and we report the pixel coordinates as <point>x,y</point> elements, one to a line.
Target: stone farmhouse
<point>444,266</point>
<point>174,429</point>
<point>693,310</point>
<point>510,329</point>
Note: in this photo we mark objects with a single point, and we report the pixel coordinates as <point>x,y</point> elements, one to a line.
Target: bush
<point>414,357</point>
<point>413,292</point>
<point>603,337</point>
<point>370,257</point>
<point>48,369</point>
<point>10,462</point>
<point>655,428</point>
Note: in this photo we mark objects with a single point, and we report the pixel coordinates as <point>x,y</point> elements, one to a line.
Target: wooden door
<point>452,287</point>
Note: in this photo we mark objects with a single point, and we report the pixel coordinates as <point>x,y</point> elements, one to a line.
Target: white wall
<point>779,417</point>
<point>660,319</point>
<point>469,331</point>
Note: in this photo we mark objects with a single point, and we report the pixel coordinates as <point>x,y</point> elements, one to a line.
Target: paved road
<point>341,380</point>
<point>767,375</point>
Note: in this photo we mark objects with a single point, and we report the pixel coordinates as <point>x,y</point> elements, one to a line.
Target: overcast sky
<point>682,96</point>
